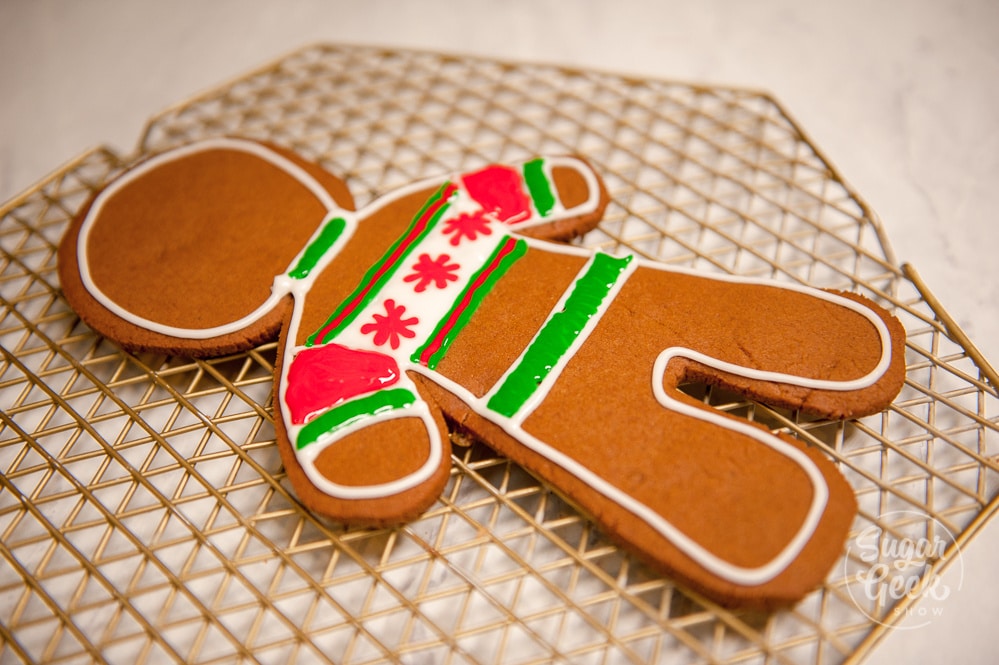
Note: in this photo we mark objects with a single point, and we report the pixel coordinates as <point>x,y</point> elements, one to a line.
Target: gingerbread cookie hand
<point>446,299</point>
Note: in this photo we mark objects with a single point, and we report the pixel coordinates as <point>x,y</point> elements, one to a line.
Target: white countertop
<point>901,96</point>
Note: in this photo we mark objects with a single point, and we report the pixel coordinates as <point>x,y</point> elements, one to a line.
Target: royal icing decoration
<point>572,319</point>
<point>412,303</point>
<point>408,308</point>
<point>322,377</point>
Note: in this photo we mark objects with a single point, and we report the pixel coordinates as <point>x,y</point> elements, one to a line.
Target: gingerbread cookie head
<point>160,262</point>
<point>448,299</point>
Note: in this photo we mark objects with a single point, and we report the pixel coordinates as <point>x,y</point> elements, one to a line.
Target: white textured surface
<point>899,95</point>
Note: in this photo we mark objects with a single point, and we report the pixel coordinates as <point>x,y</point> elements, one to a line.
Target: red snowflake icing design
<point>390,326</point>
<point>466,226</point>
<point>437,271</point>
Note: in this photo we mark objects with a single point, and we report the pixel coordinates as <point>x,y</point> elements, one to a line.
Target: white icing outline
<point>592,186</point>
<point>278,291</point>
<point>306,456</point>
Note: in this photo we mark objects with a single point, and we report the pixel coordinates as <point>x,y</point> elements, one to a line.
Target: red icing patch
<point>499,190</point>
<point>320,377</point>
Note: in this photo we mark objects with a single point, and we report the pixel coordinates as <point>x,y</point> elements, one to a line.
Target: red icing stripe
<point>387,264</point>
<point>320,377</point>
<point>463,304</point>
<point>500,192</point>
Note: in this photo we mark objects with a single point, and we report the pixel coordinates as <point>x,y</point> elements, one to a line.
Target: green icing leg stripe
<point>539,187</point>
<point>315,250</point>
<point>558,334</point>
<point>351,412</point>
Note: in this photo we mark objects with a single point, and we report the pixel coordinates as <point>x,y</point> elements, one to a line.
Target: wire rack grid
<point>144,514</point>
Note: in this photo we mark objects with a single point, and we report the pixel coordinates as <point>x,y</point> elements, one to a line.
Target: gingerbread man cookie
<point>451,299</point>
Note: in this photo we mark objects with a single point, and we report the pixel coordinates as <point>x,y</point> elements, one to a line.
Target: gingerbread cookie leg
<point>721,503</point>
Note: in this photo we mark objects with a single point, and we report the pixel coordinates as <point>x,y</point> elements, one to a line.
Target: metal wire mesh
<point>144,514</point>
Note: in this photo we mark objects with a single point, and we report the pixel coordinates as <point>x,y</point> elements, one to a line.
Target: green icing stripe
<point>558,334</point>
<point>451,324</point>
<point>538,186</point>
<point>318,247</point>
<point>350,412</point>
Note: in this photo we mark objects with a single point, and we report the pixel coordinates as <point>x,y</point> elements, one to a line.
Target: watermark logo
<point>896,580</point>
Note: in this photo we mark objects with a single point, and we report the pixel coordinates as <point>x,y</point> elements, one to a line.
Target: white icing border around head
<point>282,285</point>
<point>241,145</point>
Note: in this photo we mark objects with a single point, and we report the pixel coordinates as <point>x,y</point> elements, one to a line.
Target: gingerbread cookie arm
<point>361,440</point>
<point>578,197</point>
<point>381,460</point>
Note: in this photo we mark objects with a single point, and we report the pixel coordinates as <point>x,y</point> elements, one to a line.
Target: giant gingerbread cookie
<point>450,299</point>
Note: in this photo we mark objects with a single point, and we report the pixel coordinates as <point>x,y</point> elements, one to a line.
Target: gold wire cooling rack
<point>144,513</point>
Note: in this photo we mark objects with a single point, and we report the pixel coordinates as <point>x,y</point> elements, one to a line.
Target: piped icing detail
<point>361,408</point>
<point>375,280</point>
<point>528,380</point>
<point>454,320</point>
<point>411,304</point>
<point>318,247</point>
<point>322,377</point>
